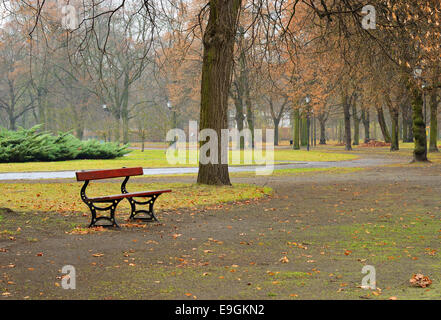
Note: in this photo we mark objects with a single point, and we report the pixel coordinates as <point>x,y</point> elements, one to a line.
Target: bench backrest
<point>108,173</point>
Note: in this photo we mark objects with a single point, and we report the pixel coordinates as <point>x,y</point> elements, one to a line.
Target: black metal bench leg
<point>93,220</point>
<point>132,208</point>
<point>111,208</point>
<point>150,212</point>
<point>112,214</point>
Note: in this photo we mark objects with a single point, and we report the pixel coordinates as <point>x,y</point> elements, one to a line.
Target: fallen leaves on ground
<point>97,255</point>
<point>133,225</point>
<point>79,230</point>
<point>374,144</point>
<point>420,280</point>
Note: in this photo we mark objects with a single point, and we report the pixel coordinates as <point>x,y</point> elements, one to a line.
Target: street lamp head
<point>169,105</point>
<point>418,72</point>
<point>105,109</point>
<point>307,99</point>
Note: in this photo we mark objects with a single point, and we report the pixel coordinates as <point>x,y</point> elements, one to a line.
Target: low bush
<point>26,145</point>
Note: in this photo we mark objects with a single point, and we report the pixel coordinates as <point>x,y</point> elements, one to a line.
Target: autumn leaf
<point>419,280</point>
<point>97,255</point>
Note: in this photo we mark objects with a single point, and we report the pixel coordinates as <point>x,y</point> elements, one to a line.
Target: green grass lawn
<point>65,197</point>
<point>158,159</point>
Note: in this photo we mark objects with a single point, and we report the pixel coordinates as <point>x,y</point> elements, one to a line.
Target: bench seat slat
<point>128,195</point>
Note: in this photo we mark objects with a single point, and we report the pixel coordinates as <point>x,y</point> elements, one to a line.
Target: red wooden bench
<point>114,200</point>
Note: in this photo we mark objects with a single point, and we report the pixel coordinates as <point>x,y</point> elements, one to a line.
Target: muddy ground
<point>310,240</point>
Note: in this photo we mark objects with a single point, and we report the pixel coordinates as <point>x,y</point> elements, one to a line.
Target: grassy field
<point>157,159</point>
<point>50,197</point>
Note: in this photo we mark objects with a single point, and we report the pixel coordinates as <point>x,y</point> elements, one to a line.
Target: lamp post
<point>307,100</point>
<point>170,107</point>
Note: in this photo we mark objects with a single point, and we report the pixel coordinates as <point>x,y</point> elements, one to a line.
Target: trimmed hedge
<point>26,145</point>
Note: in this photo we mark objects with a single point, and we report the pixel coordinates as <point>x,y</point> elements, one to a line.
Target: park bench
<point>114,200</point>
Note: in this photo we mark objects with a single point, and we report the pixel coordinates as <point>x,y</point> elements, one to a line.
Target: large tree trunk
<point>322,120</point>
<point>12,120</point>
<point>347,120</point>
<point>239,118</point>
<point>218,41</point>
<point>383,126</point>
<point>394,115</point>
<point>419,128</point>
<point>365,118</point>
<point>406,111</point>
<point>322,133</point>
<point>340,131</point>
<point>79,131</point>
<point>404,123</point>
<point>410,137</point>
<point>276,122</point>
<point>250,118</point>
<point>116,112</point>
<point>356,120</point>
<point>304,130</point>
<point>296,137</point>
<point>395,145</point>
<point>433,121</point>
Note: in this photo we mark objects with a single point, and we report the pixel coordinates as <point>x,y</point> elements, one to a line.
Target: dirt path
<point>310,240</point>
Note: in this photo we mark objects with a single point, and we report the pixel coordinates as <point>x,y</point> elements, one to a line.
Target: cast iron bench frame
<point>114,200</point>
